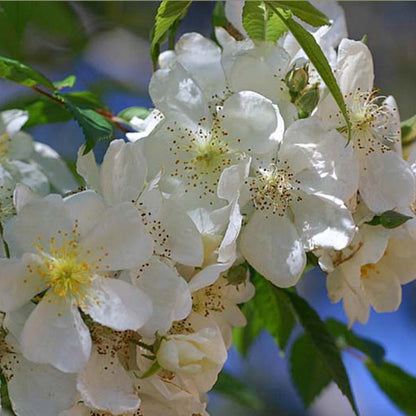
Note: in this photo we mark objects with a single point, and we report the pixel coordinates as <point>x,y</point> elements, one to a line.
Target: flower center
<point>209,299</point>
<point>5,146</point>
<point>273,189</point>
<point>367,270</point>
<point>373,123</point>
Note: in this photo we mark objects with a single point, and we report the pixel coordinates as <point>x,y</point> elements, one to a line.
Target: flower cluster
<point>120,298</point>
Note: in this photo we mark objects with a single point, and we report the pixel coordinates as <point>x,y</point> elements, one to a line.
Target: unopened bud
<point>297,79</point>
<point>307,102</point>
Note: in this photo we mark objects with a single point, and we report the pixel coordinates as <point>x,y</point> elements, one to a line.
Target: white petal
<point>208,275</point>
<point>227,250</point>
<point>85,209</point>
<point>386,181</point>
<point>253,121</point>
<point>22,146</point>
<point>54,168</point>
<point>169,293</point>
<point>30,174</point>
<point>271,245</point>
<point>40,220</point>
<point>105,385</point>
<point>201,57</point>
<point>184,242</point>
<point>55,334</point>
<point>22,196</point>
<point>123,172</point>
<point>382,286</point>
<point>232,178</point>
<point>87,167</point>
<point>37,389</point>
<point>19,282</point>
<point>174,91</point>
<point>117,304</point>
<point>322,223</point>
<point>119,241</point>
<point>11,121</point>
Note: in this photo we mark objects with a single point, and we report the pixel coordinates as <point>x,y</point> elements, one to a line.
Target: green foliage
<point>399,386</point>
<point>68,82</point>
<point>22,74</point>
<point>305,11</point>
<point>324,343</point>
<point>261,23</point>
<point>169,14</point>
<point>229,386</point>
<point>346,338</point>
<point>317,58</point>
<point>218,18</point>
<point>408,128</point>
<point>4,393</point>
<point>94,126</point>
<point>308,371</point>
<point>268,310</point>
<point>389,219</point>
<point>128,113</point>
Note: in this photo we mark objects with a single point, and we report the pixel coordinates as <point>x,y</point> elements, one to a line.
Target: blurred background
<point>106,45</point>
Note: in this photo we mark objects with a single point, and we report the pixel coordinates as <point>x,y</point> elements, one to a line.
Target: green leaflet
<point>398,385</point>
<point>168,15</point>
<point>317,58</point>
<point>309,373</point>
<point>22,74</point>
<point>346,338</point>
<point>324,343</point>
<point>68,82</point>
<point>128,113</point>
<point>230,386</point>
<point>305,11</point>
<point>408,128</point>
<point>389,219</point>
<point>261,23</point>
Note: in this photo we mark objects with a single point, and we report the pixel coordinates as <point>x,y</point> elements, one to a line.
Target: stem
<point>108,115</point>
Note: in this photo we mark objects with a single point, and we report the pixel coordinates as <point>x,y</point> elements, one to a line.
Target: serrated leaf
<point>316,329</point>
<point>84,99</point>
<point>389,219</point>
<point>260,23</point>
<point>346,337</point>
<point>68,82</point>
<point>94,126</point>
<point>273,310</point>
<point>398,385</point>
<point>22,74</point>
<point>318,60</point>
<point>408,128</point>
<point>128,113</point>
<point>305,11</point>
<point>309,374</point>
<point>231,387</point>
<point>168,14</point>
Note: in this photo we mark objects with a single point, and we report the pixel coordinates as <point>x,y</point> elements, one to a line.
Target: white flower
<point>196,142</point>
<point>70,246</point>
<point>122,178</point>
<point>370,272</point>
<point>297,202</point>
<point>201,354</point>
<point>386,181</point>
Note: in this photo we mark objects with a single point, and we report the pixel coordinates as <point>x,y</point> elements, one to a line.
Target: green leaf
<point>398,385</point>
<point>68,82</point>
<point>168,14</point>
<point>244,337</point>
<point>408,128</point>
<point>345,337</point>
<point>4,392</point>
<point>323,341</point>
<point>84,99</point>
<point>261,23</point>
<point>218,18</point>
<point>309,373</point>
<point>128,113</point>
<point>273,310</point>
<point>305,11</point>
<point>231,387</point>
<point>18,14</point>
<point>22,74</point>
<point>94,126</point>
<point>389,219</point>
<point>318,60</point>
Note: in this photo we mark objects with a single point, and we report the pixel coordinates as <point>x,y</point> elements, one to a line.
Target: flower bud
<point>297,79</point>
<point>192,353</point>
<point>307,102</point>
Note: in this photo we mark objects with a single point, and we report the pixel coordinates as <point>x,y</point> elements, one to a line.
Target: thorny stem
<point>108,115</point>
